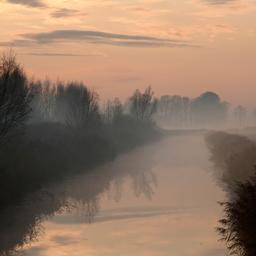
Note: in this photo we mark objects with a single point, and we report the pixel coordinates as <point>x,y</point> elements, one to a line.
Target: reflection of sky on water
<point>158,200</point>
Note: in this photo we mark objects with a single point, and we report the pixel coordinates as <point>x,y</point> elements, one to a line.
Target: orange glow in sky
<point>115,46</point>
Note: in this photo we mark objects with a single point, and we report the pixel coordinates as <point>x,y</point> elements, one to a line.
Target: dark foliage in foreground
<point>14,96</point>
<point>233,157</point>
<point>238,227</point>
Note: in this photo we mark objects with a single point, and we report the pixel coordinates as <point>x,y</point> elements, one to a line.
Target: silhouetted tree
<point>43,103</point>
<point>143,105</point>
<point>14,96</point>
<point>209,109</point>
<point>174,109</point>
<point>164,106</point>
<point>76,105</point>
<point>113,111</point>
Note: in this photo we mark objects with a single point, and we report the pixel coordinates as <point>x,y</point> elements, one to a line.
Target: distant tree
<point>76,105</point>
<point>164,106</point>
<point>240,113</point>
<point>143,105</point>
<point>179,110</point>
<point>14,96</point>
<point>43,103</point>
<point>208,109</point>
<point>114,110</point>
<point>186,110</point>
<point>174,110</point>
<point>107,112</point>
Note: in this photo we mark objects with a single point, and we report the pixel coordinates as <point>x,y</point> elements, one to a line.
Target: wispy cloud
<point>87,35</point>
<point>16,43</point>
<point>98,37</point>
<point>94,37</point>
<point>28,3</point>
<point>56,54</point>
<point>64,13</point>
<point>121,214</point>
<point>220,2</point>
<point>64,240</point>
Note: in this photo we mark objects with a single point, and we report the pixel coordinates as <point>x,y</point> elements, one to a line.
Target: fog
<point>69,160</point>
<point>165,178</point>
<point>21,224</point>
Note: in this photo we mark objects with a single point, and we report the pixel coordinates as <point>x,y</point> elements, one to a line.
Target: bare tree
<point>14,96</point>
<point>174,109</point>
<point>76,105</point>
<point>143,105</point>
<point>113,111</point>
<point>164,106</point>
<point>43,103</point>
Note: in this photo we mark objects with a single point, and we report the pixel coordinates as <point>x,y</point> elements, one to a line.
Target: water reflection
<point>21,224</point>
<point>168,201</point>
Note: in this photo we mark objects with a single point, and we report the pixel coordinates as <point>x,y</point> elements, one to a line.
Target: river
<point>158,200</point>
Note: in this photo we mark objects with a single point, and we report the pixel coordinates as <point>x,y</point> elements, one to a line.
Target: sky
<point>180,47</point>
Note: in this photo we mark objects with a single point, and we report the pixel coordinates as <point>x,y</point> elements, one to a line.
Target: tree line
<point>25,102</point>
<point>204,111</point>
<point>49,130</point>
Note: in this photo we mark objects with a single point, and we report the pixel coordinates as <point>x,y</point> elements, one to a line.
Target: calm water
<point>158,200</point>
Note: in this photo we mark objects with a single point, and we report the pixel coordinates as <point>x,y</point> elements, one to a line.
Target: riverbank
<point>49,152</point>
<point>159,182</point>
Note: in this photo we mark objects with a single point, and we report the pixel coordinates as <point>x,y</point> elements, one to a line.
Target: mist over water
<point>80,169</point>
<point>116,139</point>
<point>78,174</point>
<point>152,200</point>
